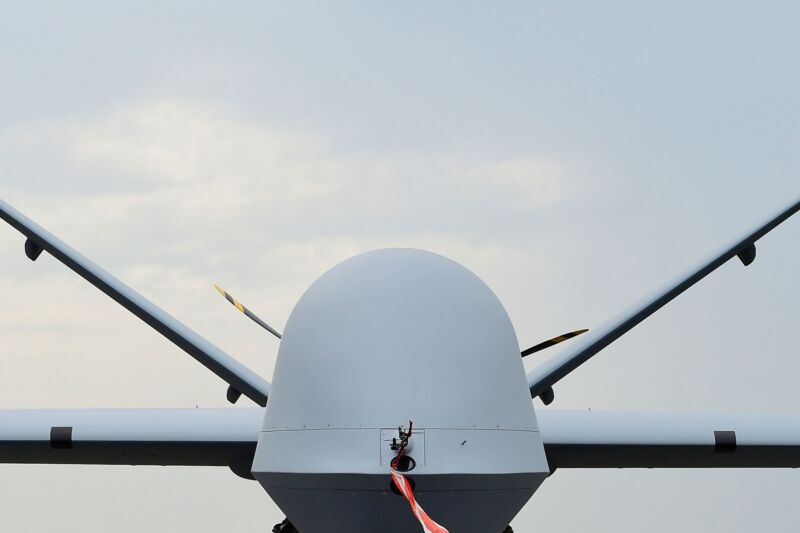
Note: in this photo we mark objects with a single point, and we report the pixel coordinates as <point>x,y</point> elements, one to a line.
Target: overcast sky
<point>576,156</point>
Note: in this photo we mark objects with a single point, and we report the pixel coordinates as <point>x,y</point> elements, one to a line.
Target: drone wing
<point>241,379</point>
<point>542,378</point>
<point>196,437</point>
<point>592,439</point>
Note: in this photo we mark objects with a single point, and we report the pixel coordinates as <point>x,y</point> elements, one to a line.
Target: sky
<point>577,156</point>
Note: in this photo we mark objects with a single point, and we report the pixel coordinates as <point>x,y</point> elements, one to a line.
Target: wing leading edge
<point>240,378</point>
<point>190,437</point>
<point>593,439</point>
<point>542,378</point>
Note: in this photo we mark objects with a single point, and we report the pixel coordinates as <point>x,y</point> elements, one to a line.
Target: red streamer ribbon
<point>402,484</point>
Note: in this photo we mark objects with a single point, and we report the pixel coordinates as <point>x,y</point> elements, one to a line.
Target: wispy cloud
<point>170,171</point>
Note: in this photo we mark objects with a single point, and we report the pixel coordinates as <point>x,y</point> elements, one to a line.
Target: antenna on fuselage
<point>248,313</point>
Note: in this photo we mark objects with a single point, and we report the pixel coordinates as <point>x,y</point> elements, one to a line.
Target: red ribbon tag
<point>402,484</point>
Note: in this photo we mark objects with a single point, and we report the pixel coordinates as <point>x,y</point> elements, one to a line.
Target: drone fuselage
<point>382,339</point>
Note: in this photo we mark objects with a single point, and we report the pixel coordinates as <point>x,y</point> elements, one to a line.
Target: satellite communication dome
<point>385,319</point>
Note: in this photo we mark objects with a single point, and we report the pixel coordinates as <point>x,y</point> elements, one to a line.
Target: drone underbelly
<point>337,480</point>
<point>342,503</point>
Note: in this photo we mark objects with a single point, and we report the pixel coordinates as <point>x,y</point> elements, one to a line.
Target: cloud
<point>170,179</point>
<point>208,160</point>
<point>194,156</point>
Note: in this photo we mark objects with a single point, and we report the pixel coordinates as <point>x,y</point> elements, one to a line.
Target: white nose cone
<point>399,334</point>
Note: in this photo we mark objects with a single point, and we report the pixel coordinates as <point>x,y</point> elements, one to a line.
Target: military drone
<point>399,385</point>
